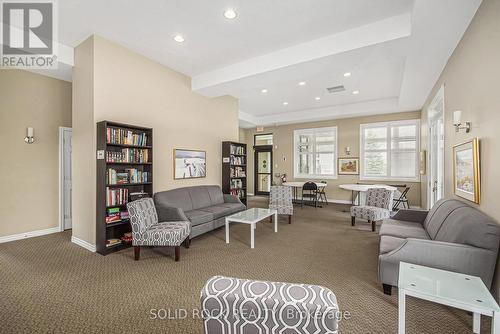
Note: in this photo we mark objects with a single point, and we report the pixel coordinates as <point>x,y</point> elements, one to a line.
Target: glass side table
<point>462,291</point>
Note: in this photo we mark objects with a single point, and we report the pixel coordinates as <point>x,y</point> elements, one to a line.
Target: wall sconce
<point>29,139</point>
<point>457,122</point>
<point>348,150</point>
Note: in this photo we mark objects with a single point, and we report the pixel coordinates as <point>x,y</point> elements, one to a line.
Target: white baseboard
<point>84,244</point>
<point>30,234</point>
<point>249,194</point>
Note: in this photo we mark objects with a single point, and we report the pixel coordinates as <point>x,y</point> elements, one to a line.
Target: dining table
<point>359,190</point>
<point>297,185</point>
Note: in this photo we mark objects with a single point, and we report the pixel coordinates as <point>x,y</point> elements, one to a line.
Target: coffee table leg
<point>227,231</point>
<point>476,323</point>
<point>252,235</point>
<point>276,222</point>
<point>401,311</point>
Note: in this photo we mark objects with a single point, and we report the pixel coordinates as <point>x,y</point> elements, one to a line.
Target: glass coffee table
<point>251,217</point>
<point>462,291</point>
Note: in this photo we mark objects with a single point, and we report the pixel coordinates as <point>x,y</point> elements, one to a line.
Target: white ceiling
<point>395,49</point>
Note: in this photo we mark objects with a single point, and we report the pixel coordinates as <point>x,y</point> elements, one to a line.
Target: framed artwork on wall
<point>189,164</point>
<point>466,172</point>
<point>348,166</point>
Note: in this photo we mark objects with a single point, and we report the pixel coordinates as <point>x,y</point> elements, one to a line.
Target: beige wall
<point>348,135</point>
<point>130,88</point>
<point>471,84</point>
<point>29,174</point>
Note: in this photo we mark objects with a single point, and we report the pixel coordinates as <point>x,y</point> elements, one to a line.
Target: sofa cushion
<point>176,198</point>
<point>403,229</point>
<point>224,209</point>
<point>389,243</point>
<point>439,213</point>
<point>199,197</point>
<point>469,226</point>
<point>197,217</point>
<point>216,196</point>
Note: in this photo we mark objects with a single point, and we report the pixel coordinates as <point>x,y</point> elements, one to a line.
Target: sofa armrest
<point>437,254</point>
<point>416,216</point>
<point>170,214</point>
<point>228,198</point>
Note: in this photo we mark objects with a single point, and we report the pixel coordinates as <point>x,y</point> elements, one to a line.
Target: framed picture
<point>466,176</point>
<point>348,166</point>
<point>189,164</point>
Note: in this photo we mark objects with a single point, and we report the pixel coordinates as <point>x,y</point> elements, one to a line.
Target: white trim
<point>250,194</point>
<point>61,179</point>
<point>83,243</point>
<point>388,125</point>
<point>296,173</point>
<point>30,234</point>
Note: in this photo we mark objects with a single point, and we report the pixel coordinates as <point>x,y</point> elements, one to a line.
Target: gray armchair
<point>147,231</point>
<point>452,236</point>
<point>280,199</point>
<point>234,306</point>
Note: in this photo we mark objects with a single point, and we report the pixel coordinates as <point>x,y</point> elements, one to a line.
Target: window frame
<point>389,150</point>
<point>296,153</point>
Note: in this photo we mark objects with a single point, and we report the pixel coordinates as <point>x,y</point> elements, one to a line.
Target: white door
<point>435,114</point>
<point>66,134</point>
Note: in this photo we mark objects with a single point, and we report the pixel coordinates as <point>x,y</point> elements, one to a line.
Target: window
<point>389,151</point>
<point>263,139</point>
<point>315,153</point>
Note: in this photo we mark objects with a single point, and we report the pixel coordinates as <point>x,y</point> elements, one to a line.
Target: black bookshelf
<point>234,169</point>
<point>116,151</point>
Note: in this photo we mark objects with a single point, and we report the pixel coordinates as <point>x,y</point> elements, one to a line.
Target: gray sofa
<point>204,206</point>
<point>451,236</point>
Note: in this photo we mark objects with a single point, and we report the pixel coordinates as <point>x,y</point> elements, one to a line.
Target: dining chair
<point>322,193</point>
<point>401,197</point>
<point>376,208</point>
<point>309,192</point>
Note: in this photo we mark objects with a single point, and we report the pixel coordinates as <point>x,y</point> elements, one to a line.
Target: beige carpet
<point>49,285</point>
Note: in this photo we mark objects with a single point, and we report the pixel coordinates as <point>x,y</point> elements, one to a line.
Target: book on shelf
<point>116,196</point>
<point>238,172</point>
<point>238,192</point>
<point>127,238</point>
<point>240,150</point>
<point>115,215</point>
<point>125,137</point>
<point>130,175</point>
<point>113,242</point>
<point>133,155</point>
<point>237,160</point>
<point>236,184</point>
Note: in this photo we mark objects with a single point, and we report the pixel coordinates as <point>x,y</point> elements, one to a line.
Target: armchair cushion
<point>371,213</point>
<point>280,199</point>
<point>232,305</point>
<point>163,234</point>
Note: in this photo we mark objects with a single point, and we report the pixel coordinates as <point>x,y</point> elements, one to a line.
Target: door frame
<point>438,99</point>
<point>257,149</point>
<point>62,129</point>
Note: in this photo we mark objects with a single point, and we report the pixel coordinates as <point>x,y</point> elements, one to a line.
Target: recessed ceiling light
<point>356,92</point>
<point>179,38</point>
<point>285,103</point>
<point>264,91</point>
<point>302,83</point>
<point>347,74</point>
<point>317,98</point>
<point>230,14</point>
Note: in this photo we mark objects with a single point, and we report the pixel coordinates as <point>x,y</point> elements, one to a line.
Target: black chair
<point>402,199</point>
<point>322,193</point>
<point>310,192</point>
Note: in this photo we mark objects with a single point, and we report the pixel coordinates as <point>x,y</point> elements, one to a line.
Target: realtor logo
<point>28,34</point>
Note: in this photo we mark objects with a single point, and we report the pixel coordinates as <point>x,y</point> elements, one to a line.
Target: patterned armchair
<point>280,199</point>
<point>376,208</point>
<point>147,231</point>
<point>234,306</point>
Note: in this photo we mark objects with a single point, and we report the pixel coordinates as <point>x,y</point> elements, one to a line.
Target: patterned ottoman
<point>233,306</point>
